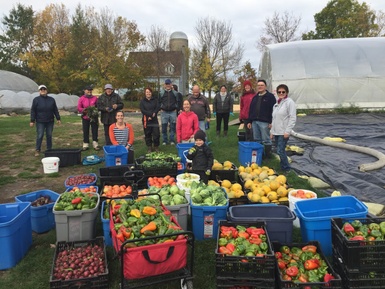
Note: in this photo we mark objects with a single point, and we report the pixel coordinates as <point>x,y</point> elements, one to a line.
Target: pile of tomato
<point>116,191</point>
<point>90,189</point>
<point>161,181</point>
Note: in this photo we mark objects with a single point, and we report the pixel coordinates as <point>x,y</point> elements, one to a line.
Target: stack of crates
<point>361,262</point>
<point>244,271</point>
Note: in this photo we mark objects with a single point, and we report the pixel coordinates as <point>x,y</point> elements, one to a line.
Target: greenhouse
<point>327,74</point>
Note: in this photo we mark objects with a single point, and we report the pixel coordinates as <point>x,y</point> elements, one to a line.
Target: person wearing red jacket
<point>87,107</point>
<point>247,96</point>
<point>187,124</point>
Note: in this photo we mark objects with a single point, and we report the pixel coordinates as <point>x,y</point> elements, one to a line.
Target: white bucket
<point>50,165</point>
<point>293,200</point>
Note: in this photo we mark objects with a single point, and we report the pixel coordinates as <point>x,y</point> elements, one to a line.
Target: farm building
<point>327,74</point>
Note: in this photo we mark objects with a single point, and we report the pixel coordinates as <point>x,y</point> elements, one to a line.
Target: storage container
<point>115,155</point>
<point>93,282</point>
<point>180,213</point>
<point>250,152</point>
<point>358,255</point>
<point>231,175</point>
<point>90,180</point>
<point>123,174</point>
<point>42,218</point>
<point>241,136</point>
<point>68,157</point>
<point>50,165</point>
<point>293,200</point>
<point>315,217</point>
<point>15,233</point>
<point>76,225</point>
<point>279,219</point>
<point>106,224</point>
<point>182,150</point>
<point>165,167</point>
<point>205,220</point>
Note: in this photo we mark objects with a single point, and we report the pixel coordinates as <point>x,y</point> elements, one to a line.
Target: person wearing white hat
<point>108,104</point>
<point>43,113</point>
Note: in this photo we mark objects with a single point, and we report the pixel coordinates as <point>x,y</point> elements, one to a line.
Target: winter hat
<point>247,82</point>
<point>108,86</point>
<point>200,134</point>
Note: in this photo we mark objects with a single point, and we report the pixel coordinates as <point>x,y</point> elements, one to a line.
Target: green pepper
<point>241,228</point>
<point>296,251</point>
<point>85,207</point>
<point>69,208</point>
<point>356,224</point>
<point>382,228</point>
<point>313,276</point>
<point>235,253</point>
<point>263,246</point>
<point>263,237</point>
<point>285,249</point>
<point>374,226</point>
<point>365,230</point>
<point>249,254</point>
<point>222,242</point>
<point>59,207</point>
<point>375,233</point>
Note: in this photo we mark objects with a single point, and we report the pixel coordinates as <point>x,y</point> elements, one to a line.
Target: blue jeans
<point>261,132</point>
<point>166,118</point>
<point>40,127</point>
<point>281,143</point>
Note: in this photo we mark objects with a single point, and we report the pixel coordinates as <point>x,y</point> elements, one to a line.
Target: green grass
<point>17,149</point>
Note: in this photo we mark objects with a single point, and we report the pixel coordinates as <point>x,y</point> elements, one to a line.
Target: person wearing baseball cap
<point>43,113</point>
<point>169,106</point>
<point>87,107</point>
<point>108,104</point>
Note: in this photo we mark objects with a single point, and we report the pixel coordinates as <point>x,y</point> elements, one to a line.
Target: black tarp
<point>339,167</point>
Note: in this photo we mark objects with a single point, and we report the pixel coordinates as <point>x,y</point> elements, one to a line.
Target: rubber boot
<point>267,151</point>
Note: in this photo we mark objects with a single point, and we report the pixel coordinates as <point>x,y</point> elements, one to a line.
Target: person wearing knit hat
<point>244,105</point>
<point>201,156</point>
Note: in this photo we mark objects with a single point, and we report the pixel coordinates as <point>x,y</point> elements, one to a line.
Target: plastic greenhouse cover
<point>339,167</point>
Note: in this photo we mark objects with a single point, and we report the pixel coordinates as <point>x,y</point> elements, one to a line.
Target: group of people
<point>267,118</point>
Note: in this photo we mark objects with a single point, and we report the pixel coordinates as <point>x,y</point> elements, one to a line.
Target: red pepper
<point>309,248</point>
<point>357,238</point>
<point>292,271</point>
<point>126,232</point>
<point>243,235</point>
<point>120,236</point>
<point>302,278</point>
<point>286,277</point>
<point>311,264</point>
<point>230,247</point>
<point>328,277</point>
<point>76,201</point>
<point>348,229</point>
<point>278,255</point>
<point>224,250</point>
<point>281,264</point>
<point>254,239</point>
<point>257,231</point>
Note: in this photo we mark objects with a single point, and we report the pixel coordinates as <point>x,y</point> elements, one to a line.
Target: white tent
<point>328,73</point>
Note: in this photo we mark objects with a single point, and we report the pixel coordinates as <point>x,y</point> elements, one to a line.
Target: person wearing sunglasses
<point>284,119</point>
<point>260,113</point>
<point>43,113</point>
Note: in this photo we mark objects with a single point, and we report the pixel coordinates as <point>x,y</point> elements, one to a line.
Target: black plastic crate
<point>98,282</point>
<point>121,174</point>
<point>238,201</point>
<point>358,255</point>
<point>68,157</point>
<point>357,279</point>
<point>250,284</point>
<point>170,167</point>
<point>220,175</point>
<point>245,267</point>
<point>332,284</point>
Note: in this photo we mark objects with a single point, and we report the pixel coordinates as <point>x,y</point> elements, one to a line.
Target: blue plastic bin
<point>205,220</point>
<point>182,147</point>
<point>250,152</point>
<point>115,155</point>
<point>89,184</point>
<point>106,226</point>
<point>15,233</point>
<point>315,217</point>
<point>42,218</point>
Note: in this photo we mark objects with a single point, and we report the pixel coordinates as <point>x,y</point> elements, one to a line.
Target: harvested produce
<point>116,191</point>
<point>357,231</point>
<point>162,156</point>
<point>79,262</point>
<point>204,195</point>
<point>171,195</point>
<point>302,194</point>
<point>70,201</point>
<point>227,165</point>
<point>90,189</point>
<point>80,180</point>
<point>161,181</point>
<point>302,264</point>
<point>41,201</point>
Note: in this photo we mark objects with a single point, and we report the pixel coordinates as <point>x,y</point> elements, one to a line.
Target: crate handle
<point>147,257</point>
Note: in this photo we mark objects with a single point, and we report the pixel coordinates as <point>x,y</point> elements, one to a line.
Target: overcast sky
<point>246,16</point>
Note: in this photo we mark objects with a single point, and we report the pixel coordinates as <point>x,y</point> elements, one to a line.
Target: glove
<point>214,114</point>
<point>231,113</point>
<point>208,172</point>
<point>191,151</point>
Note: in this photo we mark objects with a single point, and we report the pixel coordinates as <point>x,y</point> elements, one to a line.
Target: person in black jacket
<point>109,103</point>
<point>149,106</point>
<point>222,109</point>
<point>201,156</point>
<point>260,116</point>
<point>43,112</point>
<point>169,106</point>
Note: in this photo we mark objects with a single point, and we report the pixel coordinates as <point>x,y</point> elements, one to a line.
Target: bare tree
<point>217,39</point>
<point>279,28</point>
<point>380,21</point>
<point>157,38</point>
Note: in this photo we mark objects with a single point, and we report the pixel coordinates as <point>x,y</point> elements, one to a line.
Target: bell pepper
<point>303,278</point>
<point>348,229</point>
<point>120,236</point>
<point>309,248</point>
<point>357,238</point>
<point>328,277</point>
<point>224,250</point>
<point>76,201</point>
<point>230,247</point>
<point>356,224</point>
<point>292,271</point>
<point>254,239</point>
<point>149,210</point>
<point>313,276</point>
<point>278,255</point>
<point>382,228</point>
<point>243,234</point>
<point>222,242</point>
<point>285,250</point>
<point>296,251</point>
<point>281,264</point>
<point>311,264</point>
<point>149,227</point>
<point>374,226</point>
<point>135,213</point>
<point>264,247</point>
<point>375,233</point>
<point>126,232</point>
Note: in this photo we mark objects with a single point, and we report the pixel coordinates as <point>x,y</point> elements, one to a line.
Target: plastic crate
<point>68,157</point>
<point>170,169</point>
<point>182,148</point>
<point>358,255</point>
<point>231,283</point>
<point>115,155</point>
<point>205,220</point>
<point>241,135</point>
<point>245,267</point>
<point>250,152</point>
<point>106,225</point>
<point>315,217</point>
<point>180,213</point>
<point>96,282</point>
<point>358,279</point>
<point>231,175</point>
<point>77,225</point>
<point>333,284</point>
<point>122,174</point>
<point>15,233</point>
<point>42,218</point>
<point>243,200</point>
<point>279,219</point>
<point>88,184</point>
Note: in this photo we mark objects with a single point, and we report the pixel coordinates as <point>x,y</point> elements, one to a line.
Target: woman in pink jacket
<point>90,117</point>
<point>187,124</point>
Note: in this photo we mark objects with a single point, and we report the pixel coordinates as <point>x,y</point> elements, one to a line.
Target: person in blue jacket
<point>43,113</point>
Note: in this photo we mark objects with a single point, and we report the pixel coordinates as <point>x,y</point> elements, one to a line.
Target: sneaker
<point>37,153</point>
<point>164,143</point>
<point>97,148</point>
<point>172,143</point>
